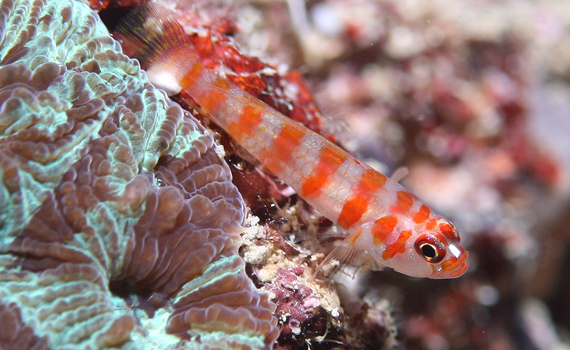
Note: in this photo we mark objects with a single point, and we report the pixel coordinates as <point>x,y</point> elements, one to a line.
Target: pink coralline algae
<point>119,223</point>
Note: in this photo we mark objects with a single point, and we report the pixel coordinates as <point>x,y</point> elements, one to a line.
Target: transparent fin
<point>344,258</point>
<point>150,33</point>
<point>399,174</point>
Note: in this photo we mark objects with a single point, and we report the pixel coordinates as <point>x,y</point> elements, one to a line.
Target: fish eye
<point>430,248</point>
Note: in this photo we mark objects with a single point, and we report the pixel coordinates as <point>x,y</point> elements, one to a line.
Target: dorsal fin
<point>400,173</point>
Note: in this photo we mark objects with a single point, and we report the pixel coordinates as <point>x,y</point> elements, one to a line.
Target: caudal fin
<point>151,34</point>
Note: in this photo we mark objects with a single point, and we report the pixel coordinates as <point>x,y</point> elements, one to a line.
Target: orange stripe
<point>397,247</point>
<point>192,75</point>
<point>289,139</point>
<point>285,148</point>
<point>422,214</point>
<point>355,207</point>
<point>403,203</point>
<point>215,97</point>
<point>330,159</point>
<point>448,231</point>
<point>383,227</point>
<point>453,263</point>
<point>430,224</point>
<point>352,211</point>
<point>371,181</point>
<point>248,120</point>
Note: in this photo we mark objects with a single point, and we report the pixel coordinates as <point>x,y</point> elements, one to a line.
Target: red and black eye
<point>431,248</point>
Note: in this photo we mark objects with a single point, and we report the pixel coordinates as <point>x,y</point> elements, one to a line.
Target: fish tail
<point>152,35</point>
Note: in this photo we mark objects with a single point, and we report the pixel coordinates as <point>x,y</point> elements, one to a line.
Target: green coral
<point>119,224</point>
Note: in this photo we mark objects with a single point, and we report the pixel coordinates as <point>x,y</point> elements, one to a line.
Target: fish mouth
<point>460,270</point>
<point>455,266</point>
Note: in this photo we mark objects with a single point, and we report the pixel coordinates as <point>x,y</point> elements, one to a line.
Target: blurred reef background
<point>124,224</point>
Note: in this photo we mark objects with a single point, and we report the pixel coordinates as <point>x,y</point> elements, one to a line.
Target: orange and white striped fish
<point>386,225</point>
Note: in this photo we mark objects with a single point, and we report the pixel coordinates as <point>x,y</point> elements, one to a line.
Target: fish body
<point>386,224</point>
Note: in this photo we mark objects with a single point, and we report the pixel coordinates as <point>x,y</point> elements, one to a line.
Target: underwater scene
<point>285,174</point>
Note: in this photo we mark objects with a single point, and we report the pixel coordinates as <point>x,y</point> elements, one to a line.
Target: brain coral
<point>119,225</point>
